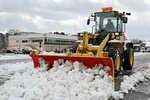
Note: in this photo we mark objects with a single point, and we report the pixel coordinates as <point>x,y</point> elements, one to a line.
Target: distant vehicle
<point>9,51</point>
<point>26,51</point>
<point>145,49</point>
<point>137,47</point>
<point>17,51</point>
<point>75,46</point>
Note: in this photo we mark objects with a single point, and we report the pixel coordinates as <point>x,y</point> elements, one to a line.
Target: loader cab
<point>110,22</point>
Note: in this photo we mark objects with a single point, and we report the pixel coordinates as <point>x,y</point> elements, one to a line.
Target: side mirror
<point>128,13</point>
<point>88,21</point>
<point>125,19</point>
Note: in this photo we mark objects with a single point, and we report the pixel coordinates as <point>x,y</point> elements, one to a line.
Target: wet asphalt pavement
<point>142,91</point>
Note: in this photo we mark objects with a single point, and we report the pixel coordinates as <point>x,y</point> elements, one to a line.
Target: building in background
<point>44,41</point>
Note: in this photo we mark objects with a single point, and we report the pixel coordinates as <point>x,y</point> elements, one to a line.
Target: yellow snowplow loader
<point>107,45</point>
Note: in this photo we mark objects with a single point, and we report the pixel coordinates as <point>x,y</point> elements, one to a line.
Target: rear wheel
<point>128,59</point>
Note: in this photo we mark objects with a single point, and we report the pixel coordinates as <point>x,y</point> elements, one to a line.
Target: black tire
<point>128,59</point>
<point>117,62</point>
<point>115,54</point>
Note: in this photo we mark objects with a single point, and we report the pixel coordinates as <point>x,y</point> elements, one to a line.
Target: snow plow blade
<point>87,61</point>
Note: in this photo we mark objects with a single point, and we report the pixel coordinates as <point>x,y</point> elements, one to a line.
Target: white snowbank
<point>129,82</point>
<point>140,53</point>
<point>13,68</point>
<point>14,56</point>
<point>51,53</point>
<point>65,81</point>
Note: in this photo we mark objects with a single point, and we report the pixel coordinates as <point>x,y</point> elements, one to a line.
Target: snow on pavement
<point>140,53</point>
<point>23,56</point>
<point>14,56</point>
<point>51,53</point>
<point>13,68</point>
<point>65,81</point>
<point>129,82</point>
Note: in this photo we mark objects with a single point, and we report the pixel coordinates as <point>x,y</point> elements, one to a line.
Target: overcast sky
<point>70,16</point>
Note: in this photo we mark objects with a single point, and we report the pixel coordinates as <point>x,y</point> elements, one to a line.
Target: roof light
<point>107,9</point>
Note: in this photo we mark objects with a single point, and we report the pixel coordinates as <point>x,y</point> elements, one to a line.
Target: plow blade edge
<point>87,61</point>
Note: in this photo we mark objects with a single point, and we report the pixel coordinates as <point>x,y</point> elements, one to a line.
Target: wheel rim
<point>131,57</point>
<point>117,62</point>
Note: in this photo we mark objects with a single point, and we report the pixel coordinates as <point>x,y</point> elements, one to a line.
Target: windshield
<point>107,21</point>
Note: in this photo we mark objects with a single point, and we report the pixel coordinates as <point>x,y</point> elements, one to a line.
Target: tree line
<point>3,41</point>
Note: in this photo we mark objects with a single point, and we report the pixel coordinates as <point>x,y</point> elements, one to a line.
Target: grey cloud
<point>16,22</point>
<point>68,10</point>
<point>135,5</point>
<point>49,9</point>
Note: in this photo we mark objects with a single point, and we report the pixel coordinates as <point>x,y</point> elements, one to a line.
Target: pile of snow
<point>140,53</point>
<point>65,81</point>
<point>13,68</point>
<point>14,56</point>
<point>51,53</point>
<point>129,82</point>
<point>44,52</point>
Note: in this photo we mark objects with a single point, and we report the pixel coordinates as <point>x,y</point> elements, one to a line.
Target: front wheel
<point>115,54</point>
<point>128,59</point>
<point>117,62</point>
